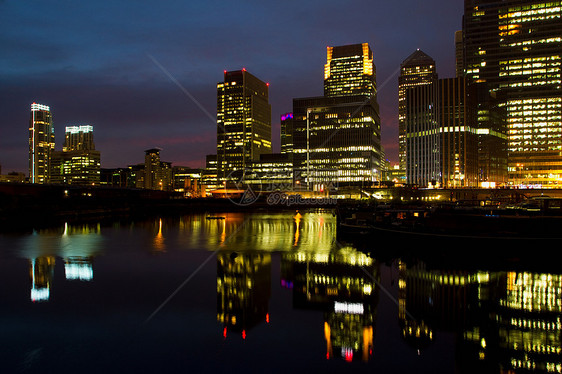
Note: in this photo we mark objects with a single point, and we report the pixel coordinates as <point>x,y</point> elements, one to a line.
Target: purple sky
<point>144,73</point>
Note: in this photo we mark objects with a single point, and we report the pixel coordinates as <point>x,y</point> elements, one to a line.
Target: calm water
<point>268,293</point>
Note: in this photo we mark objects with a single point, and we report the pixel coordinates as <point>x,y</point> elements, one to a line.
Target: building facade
<point>336,137</point>
<point>79,162</point>
<point>417,69</point>
<point>243,124</point>
<point>41,143</point>
<point>442,134</point>
<point>515,47</point>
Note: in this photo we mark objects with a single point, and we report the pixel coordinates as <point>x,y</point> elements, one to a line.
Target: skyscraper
<point>515,47</point>
<point>336,137</point>
<point>243,124</point>
<point>79,162</point>
<point>441,134</point>
<point>41,143</point>
<point>417,69</point>
<point>79,138</point>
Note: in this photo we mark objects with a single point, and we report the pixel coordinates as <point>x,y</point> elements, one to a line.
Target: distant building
<point>287,134</point>
<point>79,162</point>
<point>243,124</point>
<point>157,174</point>
<point>417,69</point>
<point>41,143</point>
<point>188,181</point>
<point>336,137</point>
<point>210,173</point>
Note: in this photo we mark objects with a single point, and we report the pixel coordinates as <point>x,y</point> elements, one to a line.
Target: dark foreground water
<point>271,293</point>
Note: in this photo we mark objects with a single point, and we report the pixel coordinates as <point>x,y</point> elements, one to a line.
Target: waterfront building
<point>273,172</point>
<point>441,134</point>
<point>515,47</point>
<point>79,162</point>
<point>336,137</point>
<point>157,173</point>
<point>417,69</point>
<point>41,143</point>
<point>188,181</point>
<point>115,177</point>
<point>243,124</point>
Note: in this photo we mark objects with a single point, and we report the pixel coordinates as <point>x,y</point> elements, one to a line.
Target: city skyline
<point>137,102</point>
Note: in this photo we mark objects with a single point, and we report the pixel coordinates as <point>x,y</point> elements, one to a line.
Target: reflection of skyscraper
<point>243,123</point>
<point>41,271</point>
<point>342,283</point>
<point>41,143</point>
<point>243,290</point>
<point>78,268</point>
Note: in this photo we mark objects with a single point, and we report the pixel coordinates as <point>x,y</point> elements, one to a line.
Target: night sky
<point>144,73</point>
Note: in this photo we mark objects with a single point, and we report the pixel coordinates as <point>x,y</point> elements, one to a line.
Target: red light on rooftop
<point>243,334</point>
<point>224,332</point>
<point>267,318</point>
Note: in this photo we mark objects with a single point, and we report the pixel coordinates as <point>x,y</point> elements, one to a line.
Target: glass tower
<point>41,143</point>
<point>515,46</point>
<point>243,124</point>
<point>336,137</point>
<point>417,69</point>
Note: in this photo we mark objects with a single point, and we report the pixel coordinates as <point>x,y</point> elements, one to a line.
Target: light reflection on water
<point>393,315</point>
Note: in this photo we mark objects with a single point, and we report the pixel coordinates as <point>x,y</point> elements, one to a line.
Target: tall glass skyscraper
<point>243,124</point>
<point>515,46</point>
<point>417,69</point>
<point>336,137</point>
<point>41,143</point>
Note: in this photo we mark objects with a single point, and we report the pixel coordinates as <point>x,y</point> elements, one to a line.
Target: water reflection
<point>243,290</point>
<point>76,245</point>
<point>502,319</point>
<point>342,283</point>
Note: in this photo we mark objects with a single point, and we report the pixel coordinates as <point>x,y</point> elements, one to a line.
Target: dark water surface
<point>268,292</point>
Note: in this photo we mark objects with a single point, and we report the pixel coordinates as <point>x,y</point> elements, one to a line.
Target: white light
<point>36,107</point>
<point>348,308</point>
<point>40,294</point>
<point>83,272</point>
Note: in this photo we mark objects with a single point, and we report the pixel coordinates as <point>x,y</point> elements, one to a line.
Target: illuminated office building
<point>336,137</point>
<point>417,69</point>
<point>41,143</point>
<point>79,162</point>
<point>243,124</point>
<point>515,47</point>
<point>273,172</point>
<point>441,134</point>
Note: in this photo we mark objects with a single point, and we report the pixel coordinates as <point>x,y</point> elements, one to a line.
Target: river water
<point>268,292</point>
